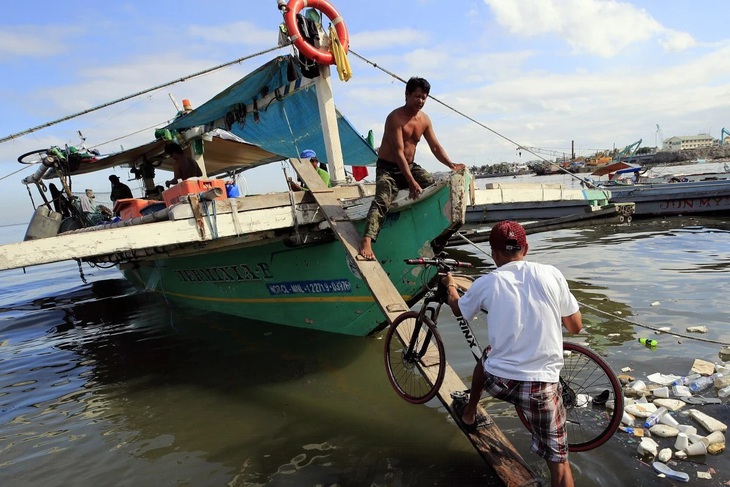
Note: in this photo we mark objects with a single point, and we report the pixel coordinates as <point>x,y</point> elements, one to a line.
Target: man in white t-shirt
<point>526,304</point>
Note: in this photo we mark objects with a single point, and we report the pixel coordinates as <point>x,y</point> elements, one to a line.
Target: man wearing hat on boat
<point>120,190</point>
<point>527,304</point>
<point>312,156</point>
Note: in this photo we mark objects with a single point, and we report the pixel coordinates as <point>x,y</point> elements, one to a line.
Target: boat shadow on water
<point>237,401</point>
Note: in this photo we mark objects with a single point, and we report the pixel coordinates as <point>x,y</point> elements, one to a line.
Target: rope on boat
<point>148,90</point>
<point>519,146</point>
<point>606,313</point>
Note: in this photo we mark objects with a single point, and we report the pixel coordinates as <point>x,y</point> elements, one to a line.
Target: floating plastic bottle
<point>654,417</point>
<point>683,381</point>
<point>649,342</point>
<point>724,392</point>
<point>703,383</point>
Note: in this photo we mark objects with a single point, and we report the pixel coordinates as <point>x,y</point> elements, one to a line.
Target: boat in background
<point>532,201</point>
<point>673,194</point>
<point>270,257</point>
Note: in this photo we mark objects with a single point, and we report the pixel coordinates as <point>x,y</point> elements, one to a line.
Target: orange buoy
<point>316,54</point>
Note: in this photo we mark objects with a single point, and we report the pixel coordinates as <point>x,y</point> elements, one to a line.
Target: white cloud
<point>245,33</point>
<point>25,41</point>
<point>599,27</point>
<point>387,38</point>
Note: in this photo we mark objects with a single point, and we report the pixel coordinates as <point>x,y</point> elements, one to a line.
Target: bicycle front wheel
<point>415,360</point>
<point>592,398</point>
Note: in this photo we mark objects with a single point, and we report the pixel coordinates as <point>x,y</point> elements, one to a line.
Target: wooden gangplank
<point>489,441</point>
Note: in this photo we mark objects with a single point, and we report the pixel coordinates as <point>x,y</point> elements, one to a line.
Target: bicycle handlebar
<point>442,263</point>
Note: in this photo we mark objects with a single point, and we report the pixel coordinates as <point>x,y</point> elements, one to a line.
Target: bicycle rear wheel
<point>592,398</point>
<point>415,360</point>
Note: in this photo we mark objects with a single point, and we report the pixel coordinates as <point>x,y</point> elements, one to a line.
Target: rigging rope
<point>104,105</point>
<point>519,146</point>
<point>606,313</point>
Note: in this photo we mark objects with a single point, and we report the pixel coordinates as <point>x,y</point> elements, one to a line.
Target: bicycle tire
<point>415,375</point>
<point>22,159</point>
<point>586,375</point>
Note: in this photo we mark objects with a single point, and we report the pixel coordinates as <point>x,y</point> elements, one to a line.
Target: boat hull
<point>676,198</point>
<point>525,202</point>
<point>306,285</point>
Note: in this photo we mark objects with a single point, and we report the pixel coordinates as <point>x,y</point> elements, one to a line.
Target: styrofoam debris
<point>697,329</point>
<point>707,421</point>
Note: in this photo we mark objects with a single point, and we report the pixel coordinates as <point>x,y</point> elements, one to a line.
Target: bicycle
<point>416,366</point>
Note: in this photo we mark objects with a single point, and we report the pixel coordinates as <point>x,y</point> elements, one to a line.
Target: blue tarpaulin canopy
<point>284,124</point>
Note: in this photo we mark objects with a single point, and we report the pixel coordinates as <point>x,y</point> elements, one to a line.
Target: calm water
<point>102,385</point>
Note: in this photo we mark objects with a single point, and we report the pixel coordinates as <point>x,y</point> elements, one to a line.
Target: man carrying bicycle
<point>526,303</point>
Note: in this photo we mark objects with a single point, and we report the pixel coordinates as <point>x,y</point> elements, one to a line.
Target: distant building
<point>678,143</point>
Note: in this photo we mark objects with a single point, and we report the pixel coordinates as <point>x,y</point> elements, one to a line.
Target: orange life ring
<point>315,54</point>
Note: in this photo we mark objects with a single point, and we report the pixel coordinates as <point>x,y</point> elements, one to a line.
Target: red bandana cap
<point>508,235</point>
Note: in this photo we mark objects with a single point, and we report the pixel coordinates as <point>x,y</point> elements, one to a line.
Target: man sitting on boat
<point>119,189</point>
<point>183,166</point>
<point>396,168</point>
<point>92,213</point>
<point>312,156</point>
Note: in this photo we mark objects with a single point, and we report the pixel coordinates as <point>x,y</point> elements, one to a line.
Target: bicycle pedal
<point>460,395</point>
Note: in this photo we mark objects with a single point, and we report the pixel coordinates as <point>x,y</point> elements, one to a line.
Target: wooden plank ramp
<point>489,441</point>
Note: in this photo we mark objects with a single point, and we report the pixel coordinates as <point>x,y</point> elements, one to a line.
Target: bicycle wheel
<point>33,156</point>
<point>592,398</point>
<point>415,360</point>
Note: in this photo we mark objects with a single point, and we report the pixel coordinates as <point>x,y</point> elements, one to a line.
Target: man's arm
<point>436,148</point>
<point>452,293</point>
<point>573,323</point>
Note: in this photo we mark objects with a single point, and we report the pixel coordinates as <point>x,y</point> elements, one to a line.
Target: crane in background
<point>629,151</point>
<point>547,152</point>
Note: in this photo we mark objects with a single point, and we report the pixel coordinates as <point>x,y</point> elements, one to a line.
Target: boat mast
<point>328,116</point>
<point>325,100</point>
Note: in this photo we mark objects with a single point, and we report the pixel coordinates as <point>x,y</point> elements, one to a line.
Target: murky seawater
<point>102,385</point>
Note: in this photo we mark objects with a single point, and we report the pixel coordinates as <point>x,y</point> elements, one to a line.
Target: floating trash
<point>707,421</point>
<point>697,329</point>
<point>665,454</point>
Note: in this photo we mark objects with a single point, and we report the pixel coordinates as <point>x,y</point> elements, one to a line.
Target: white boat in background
<point>532,201</point>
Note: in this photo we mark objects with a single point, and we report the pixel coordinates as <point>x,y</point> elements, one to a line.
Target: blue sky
<point>540,72</point>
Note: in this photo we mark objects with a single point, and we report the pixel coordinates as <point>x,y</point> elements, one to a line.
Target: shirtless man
<point>395,167</point>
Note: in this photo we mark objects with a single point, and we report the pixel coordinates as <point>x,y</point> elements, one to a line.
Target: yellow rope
<point>340,56</point>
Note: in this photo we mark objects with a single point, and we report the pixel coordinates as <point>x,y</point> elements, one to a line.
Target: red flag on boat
<point>359,172</point>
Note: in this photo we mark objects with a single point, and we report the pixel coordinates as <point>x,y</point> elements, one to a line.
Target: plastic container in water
<point>655,417</point>
<point>724,392</point>
<point>703,383</point>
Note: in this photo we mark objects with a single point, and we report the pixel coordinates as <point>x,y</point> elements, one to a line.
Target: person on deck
<point>119,189</point>
<point>526,304</point>
<point>396,169</point>
<point>312,156</point>
<point>92,213</point>
<point>183,166</point>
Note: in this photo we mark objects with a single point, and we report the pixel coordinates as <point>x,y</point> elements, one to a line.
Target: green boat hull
<point>312,286</point>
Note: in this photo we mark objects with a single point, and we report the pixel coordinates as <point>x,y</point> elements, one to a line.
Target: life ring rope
<point>320,56</point>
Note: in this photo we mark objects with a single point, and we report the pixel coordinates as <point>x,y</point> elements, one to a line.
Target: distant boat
<point>531,201</point>
<point>679,198</point>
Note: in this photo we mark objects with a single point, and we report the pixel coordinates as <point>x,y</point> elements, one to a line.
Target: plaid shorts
<point>543,407</point>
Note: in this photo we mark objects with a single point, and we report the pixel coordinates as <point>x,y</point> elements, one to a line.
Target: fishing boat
<point>698,194</point>
<point>532,201</point>
<point>274,257</point>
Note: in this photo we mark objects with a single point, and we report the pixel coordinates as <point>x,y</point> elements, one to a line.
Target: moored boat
<point>271,257</point>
